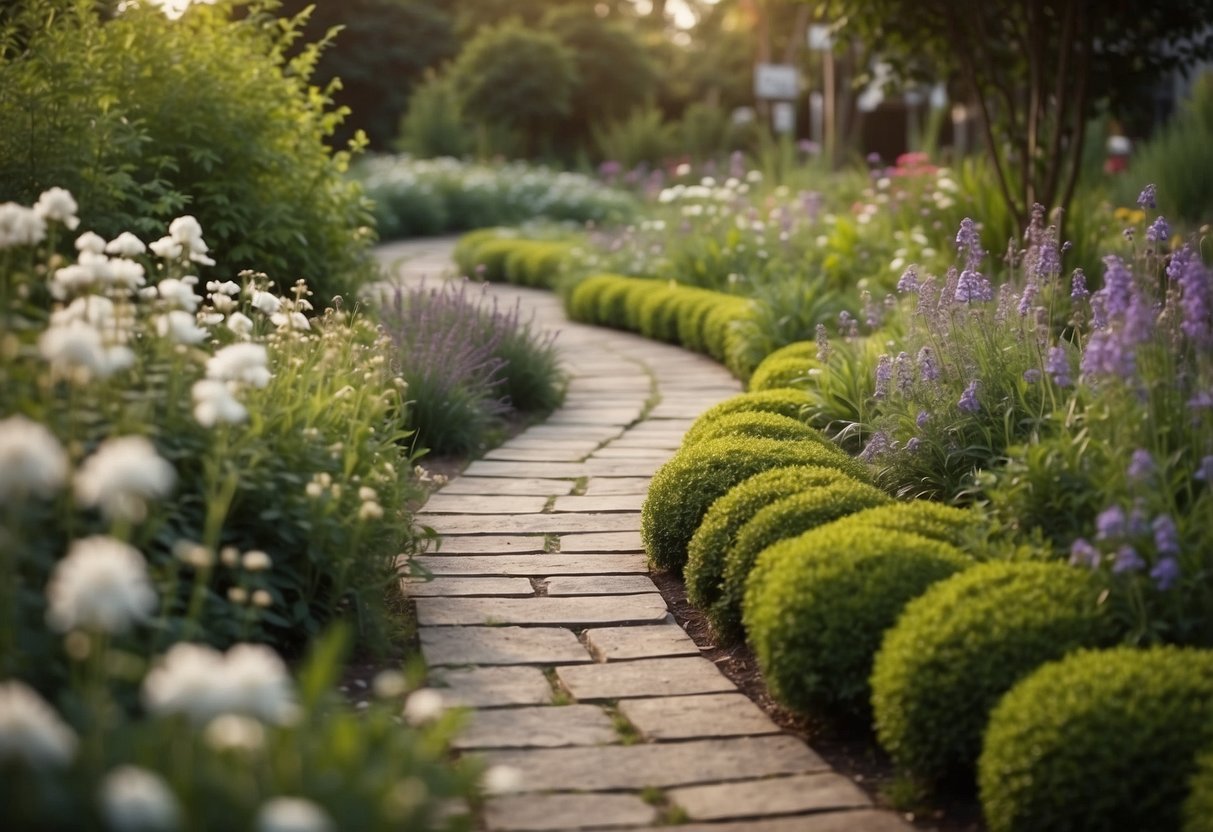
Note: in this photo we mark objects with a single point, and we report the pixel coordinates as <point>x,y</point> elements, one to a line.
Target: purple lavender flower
<point>1110,523</point>
<point>968,241</point>
<point>1078,285</point>
<point>1138,523</point>
<point>1196,290</point>
<point>884,374</point>
<point>922,418</point>
<point>1082,553</point>
<point>873,158</point>
<point>823,344</point>
<point>1006,299</point>
<point>908,281</point>
<point>1117,291</point>
<point>872,313</point>
<point>913,444</point>
<point>904,367</point>
<point>1158,231</point>
<point>1025,300</point>
<point>1201,401</point>
<point>1140,320</point>
<point>878,445</point>
<point>1204,472</point>
<point>1127,560</point>
<point>928,369</point>
<point>973,286</point>
<point>1165,574</point>
<point>1141,466</point>
<point>968,399</point>
<point>1148,198</point>
<point>1031,375</point>
<point>1106,354</point>
<point>1166,535</point>
<point>1057,365</point>
<point>847,325</point>
<point>737,164</point>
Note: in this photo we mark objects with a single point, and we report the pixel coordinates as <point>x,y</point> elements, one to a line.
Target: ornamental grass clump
<point>965,642</point>
<point>1136,717</point>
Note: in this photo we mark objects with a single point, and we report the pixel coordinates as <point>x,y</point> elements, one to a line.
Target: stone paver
<point>578,611</point>
<point>541,596</point>
<point>686,717</point>
<point>621,643</point>
<point>644,677</point>
<point>544,726</point>
<point>560,812</point>
<point>500,645</point>
<point>768,798</point>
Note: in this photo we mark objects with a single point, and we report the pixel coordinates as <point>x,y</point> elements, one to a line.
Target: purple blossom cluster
<point>1121,538</point>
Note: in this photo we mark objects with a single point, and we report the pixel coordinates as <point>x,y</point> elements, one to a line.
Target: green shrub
<point>491,256</point>
<point>1175,160</point>
<point>536,263</point>
<point>684,488</point>
<point>764,425</point>
<point>959,527</point>
<point>433,125</point>
<point>1198,808</point>
<point>1103,739</point>
<point>817,606</point>
<point>785,402</point>
<point>718,530</point>
<point>466,252</point>
<point>657,314</point>
<point>789,517</point>
<point>641,137</point>
<point>790,371</point>
<point>963,644</point>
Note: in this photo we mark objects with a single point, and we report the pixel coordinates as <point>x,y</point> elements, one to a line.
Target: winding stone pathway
<point>542,617</point>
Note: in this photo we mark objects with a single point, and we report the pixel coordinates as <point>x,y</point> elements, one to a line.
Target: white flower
<point>423,705</point>
<point>215,404</point>
<point>389,684</point>
<point>210,318</point>
<point>501,780</point>
<point>180,328</point>
<point>221,303</point>
<point>178,293</point>
<point>246,363</point>
<point>292,814</point>
<point>166,248</point>
<point>229,287</point>
<point>77,350</point>
<point>240,323</point>
<point>125,244</point>
<point>134,799</point>
<point>262,598</point>
<point>257,561</point>
<point>232,732</point>
<point>366,494</point>
<point>202,683</point>
<point>265,302</point>
<point>187,232</point>
<point>31,731</point>
<point>58,204</point>
<point>31,460</point>
<point>370,510</point>
<point>126,273</point>
<point>101,584</point>
<point>90,243</point>
<point>293,320</point>
<point>20,226</point>
<point>121,475</point>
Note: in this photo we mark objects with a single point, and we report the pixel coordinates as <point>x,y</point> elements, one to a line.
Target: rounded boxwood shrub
<point>693,312</point>
<point>791,516</point>
<point>535,262</point>
<point>1101,740</point>
<point>467,247</point>
<point>684,488</point>
<point>816,607</point>
<point>762,424</point>
<point>785,402</point>
<point>782,372</point>
<point>715,535</point>
<point>658,314</point>
<point>491,256</point>
<point>582,302</point>
<point>925,517</point>
<point>1198,808</point>
<point>964,643</point>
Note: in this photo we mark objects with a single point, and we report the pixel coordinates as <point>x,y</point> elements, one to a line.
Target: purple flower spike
<point>928,369</point>
<point>973,286</point>
<point>1078,285</point>
<point>913,443</point>
<point>1205,472</point>
<point>1031,375</point>
<point>1082,553</point>
<point>968,400</point>
<point>1127,560</point>
<point>1196,289</point>
<point>1159,231</point>
<point>1166,535</point>
<point>1165,573</point>
<point>1148,198</point>
<point>878,445</point>
<point>823,344</point>
<point>1141,465</point>
<point>1058,367</point>
<point>884,374</point>
<point>908,281</point>
<point>1110,523</point>
<point>905,372</point>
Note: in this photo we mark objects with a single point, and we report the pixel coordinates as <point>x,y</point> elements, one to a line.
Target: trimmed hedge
<point>684,488</point>
<point>784,402</point>
<point>498,255</point>
<point>817,606</point>
<point>718,530</point>
<point>761,424</point>
<point>1198,808</point>
<point>789,517</point>
<point>964,643</point>
<point>925,517</point>
<point>1101,740</point>
<point>786,367</point>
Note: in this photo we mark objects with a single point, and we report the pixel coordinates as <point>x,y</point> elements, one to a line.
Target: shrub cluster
<point>498,255</point>
<point>783,401</point>
<point>789,366</point>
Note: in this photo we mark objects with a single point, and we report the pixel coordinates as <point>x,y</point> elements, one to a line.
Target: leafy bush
<point>1174,161</point>
<point>786,402</point>
<point>959,527</point>
<point>1130,716</point>
<point>432,125</point>
<point>725,517</point>
<point>964,643</point>
<point>817,606</point>
<point>789,371</point>
<point>1198,808</point>
<point>466,252</point>
<point>785,518</point>
<point>97,107</point>
<point>762,425</point>
<point>685,487</point>
<point>641,137</point>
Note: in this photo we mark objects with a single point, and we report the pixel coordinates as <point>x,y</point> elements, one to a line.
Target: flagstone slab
<point>600,486</point>
<point>449,503</point>
<point>572,612</point>
<point>663,442</point>
<point>862,820</point>
<point>621,467</point>
<point>610,644</point>
<point>644,677</point>
<point>615,768</point>
<point>690,717</point>
<point>538,566</point>
<point>566,812</point>
<point>547,470</point>
<point>599,585</point>
<point>537,454</point>
<point>615,452</point>
<point>487,687</point>
<point>495,544</point>
<point>447,587</point>
<point>603,542</point>
<point>765,798</point>
<point>536,486</point>
<point>453,524</point>
<point>523,442</point>
<point>599,503</point>
<point>543,726</point>
<point>500,646</point>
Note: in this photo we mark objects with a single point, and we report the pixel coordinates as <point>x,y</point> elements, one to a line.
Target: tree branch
<point>1069,45</point>
<point>1083,74</point>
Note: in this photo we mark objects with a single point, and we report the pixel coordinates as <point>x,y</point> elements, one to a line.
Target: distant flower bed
<point>417,197</point>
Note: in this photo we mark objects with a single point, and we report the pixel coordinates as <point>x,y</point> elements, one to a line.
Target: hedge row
<point>789,366</point>
<point>498,255</point>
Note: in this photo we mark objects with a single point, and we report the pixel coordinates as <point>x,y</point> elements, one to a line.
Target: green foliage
<point>783,402</point>
<point>433,125</point>
<point>642,137</point>
<point>963,528</point>
<point>98,108</point>
<point>786,371</point>
<point>704,131</point>
<point>536,263</point>
<point>782,519</point>
<point>1175,161</point>
<point>1129,716</point>
<point>762,424</point>
<point>964,643</point>
<point>510,77</point>
<point>818,605</point>
<point>685,487</point>
<point>718,530</point>
<point>1198,808</point>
